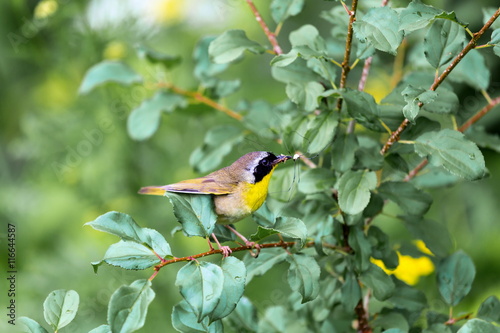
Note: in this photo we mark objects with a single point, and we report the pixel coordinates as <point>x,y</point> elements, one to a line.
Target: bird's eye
<point>264,162</point>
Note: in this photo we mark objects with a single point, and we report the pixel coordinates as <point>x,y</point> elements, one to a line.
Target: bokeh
<point>66,158</point>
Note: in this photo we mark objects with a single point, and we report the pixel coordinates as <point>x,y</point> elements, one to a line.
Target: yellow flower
<point>45,9</point>
<point>410,269</point>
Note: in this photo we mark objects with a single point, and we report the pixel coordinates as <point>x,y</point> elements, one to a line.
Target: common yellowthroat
<point>238,190</point>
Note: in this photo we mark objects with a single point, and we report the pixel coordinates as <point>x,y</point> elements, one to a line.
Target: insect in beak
<point>281,158</point>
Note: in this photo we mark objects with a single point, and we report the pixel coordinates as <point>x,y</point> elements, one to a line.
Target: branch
<point>203,99</point>
<point>471,45</point>
<point>270,35</point>
<point>361,313</point>
<point>282,244</point>
<point>481,113</point>
<point>347,54</point>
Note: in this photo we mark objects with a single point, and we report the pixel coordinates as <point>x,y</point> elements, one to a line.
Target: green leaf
<point>128,306</point>
<point>225,88</point>
<point>435,235</point>
<point>495,37</point>
<point>326,69</point>
<point>413,97</point>
<point>394,322</point>
<point>60,308</point>
<point>478,326</point>
<point>309,36</point>
<point>31,326</point>
<point>262,119</point>
<point>305,95</point>
<point>130,255</point>
<point>375,278</point>
<point>145,119</point>
<point>417,16</point>
<point>380,28</point>
<point>230,46</point>
<point>451,150</point>
<point>244,317</point>
<point>408,298</point>
<point>443,41</point>
<point>472,70</point>
<point>316,180</point>
<point>343,151</point>
<point>263,232</point>
<point>146,241</point>
<point>218,143</point>
<point>302,85</point>
<point>351,292</point>
<point>234,272</point>
<point>280,187</point>
<point>482,138</point>
<point>204,69</point>
<point>155,57</point>
<point>101,329</point>
<point>274,320</point>
<point>185,320</point>
<point>490,309</point>
<point>195,212</point>
<point>437,328</point>
<point>446,101</point>
<point>455,275</point>
<point>201,285</point>
<point>264,262</point>
<point>321,131</point>
<point>362,248</point>
<point>283,9</point>
<point>291,227</point>
<point>108,71</point>
<point>303,276</point>
<point>411,200</point>
<point>363,108</point>
<point>354,190</point>
<point>295,72</point>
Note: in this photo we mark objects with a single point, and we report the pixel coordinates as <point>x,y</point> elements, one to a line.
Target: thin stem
<point>271,36</point>
<point>481,113</point>
<point>347,53</point>
<point>471,45</point>
<point>203,99</point>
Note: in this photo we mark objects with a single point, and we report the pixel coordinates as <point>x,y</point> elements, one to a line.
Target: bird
<point>237,190</point>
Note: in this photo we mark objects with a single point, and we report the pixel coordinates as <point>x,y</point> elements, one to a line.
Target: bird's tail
<point>153,190</point>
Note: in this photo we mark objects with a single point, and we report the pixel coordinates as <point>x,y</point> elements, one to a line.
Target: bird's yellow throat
<point>256,194</point>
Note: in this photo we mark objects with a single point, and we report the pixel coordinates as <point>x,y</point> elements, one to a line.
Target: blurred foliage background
<point>66,159</point>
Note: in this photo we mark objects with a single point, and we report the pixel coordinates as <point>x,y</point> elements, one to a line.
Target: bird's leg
<point>247,242</point>
<point>226,250</point>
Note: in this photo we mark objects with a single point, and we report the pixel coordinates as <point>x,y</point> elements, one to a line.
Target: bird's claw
<point>252,246</point>
<point>226,251</point>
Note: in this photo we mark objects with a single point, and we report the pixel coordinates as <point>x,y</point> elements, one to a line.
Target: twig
<point>270,35</point>
<point>203,99</point>
<point>347,53</point>
<point>481,113</point>
<point>471,45</point>
<point>282,244</point>
<point>361,313</point>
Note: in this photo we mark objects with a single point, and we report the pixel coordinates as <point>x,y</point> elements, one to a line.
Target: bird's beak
<point>281,158</point>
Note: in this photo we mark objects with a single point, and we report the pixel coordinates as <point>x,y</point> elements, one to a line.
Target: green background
<point>66,159</point>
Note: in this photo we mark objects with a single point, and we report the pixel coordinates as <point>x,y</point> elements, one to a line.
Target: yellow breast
<point>243,202</point>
